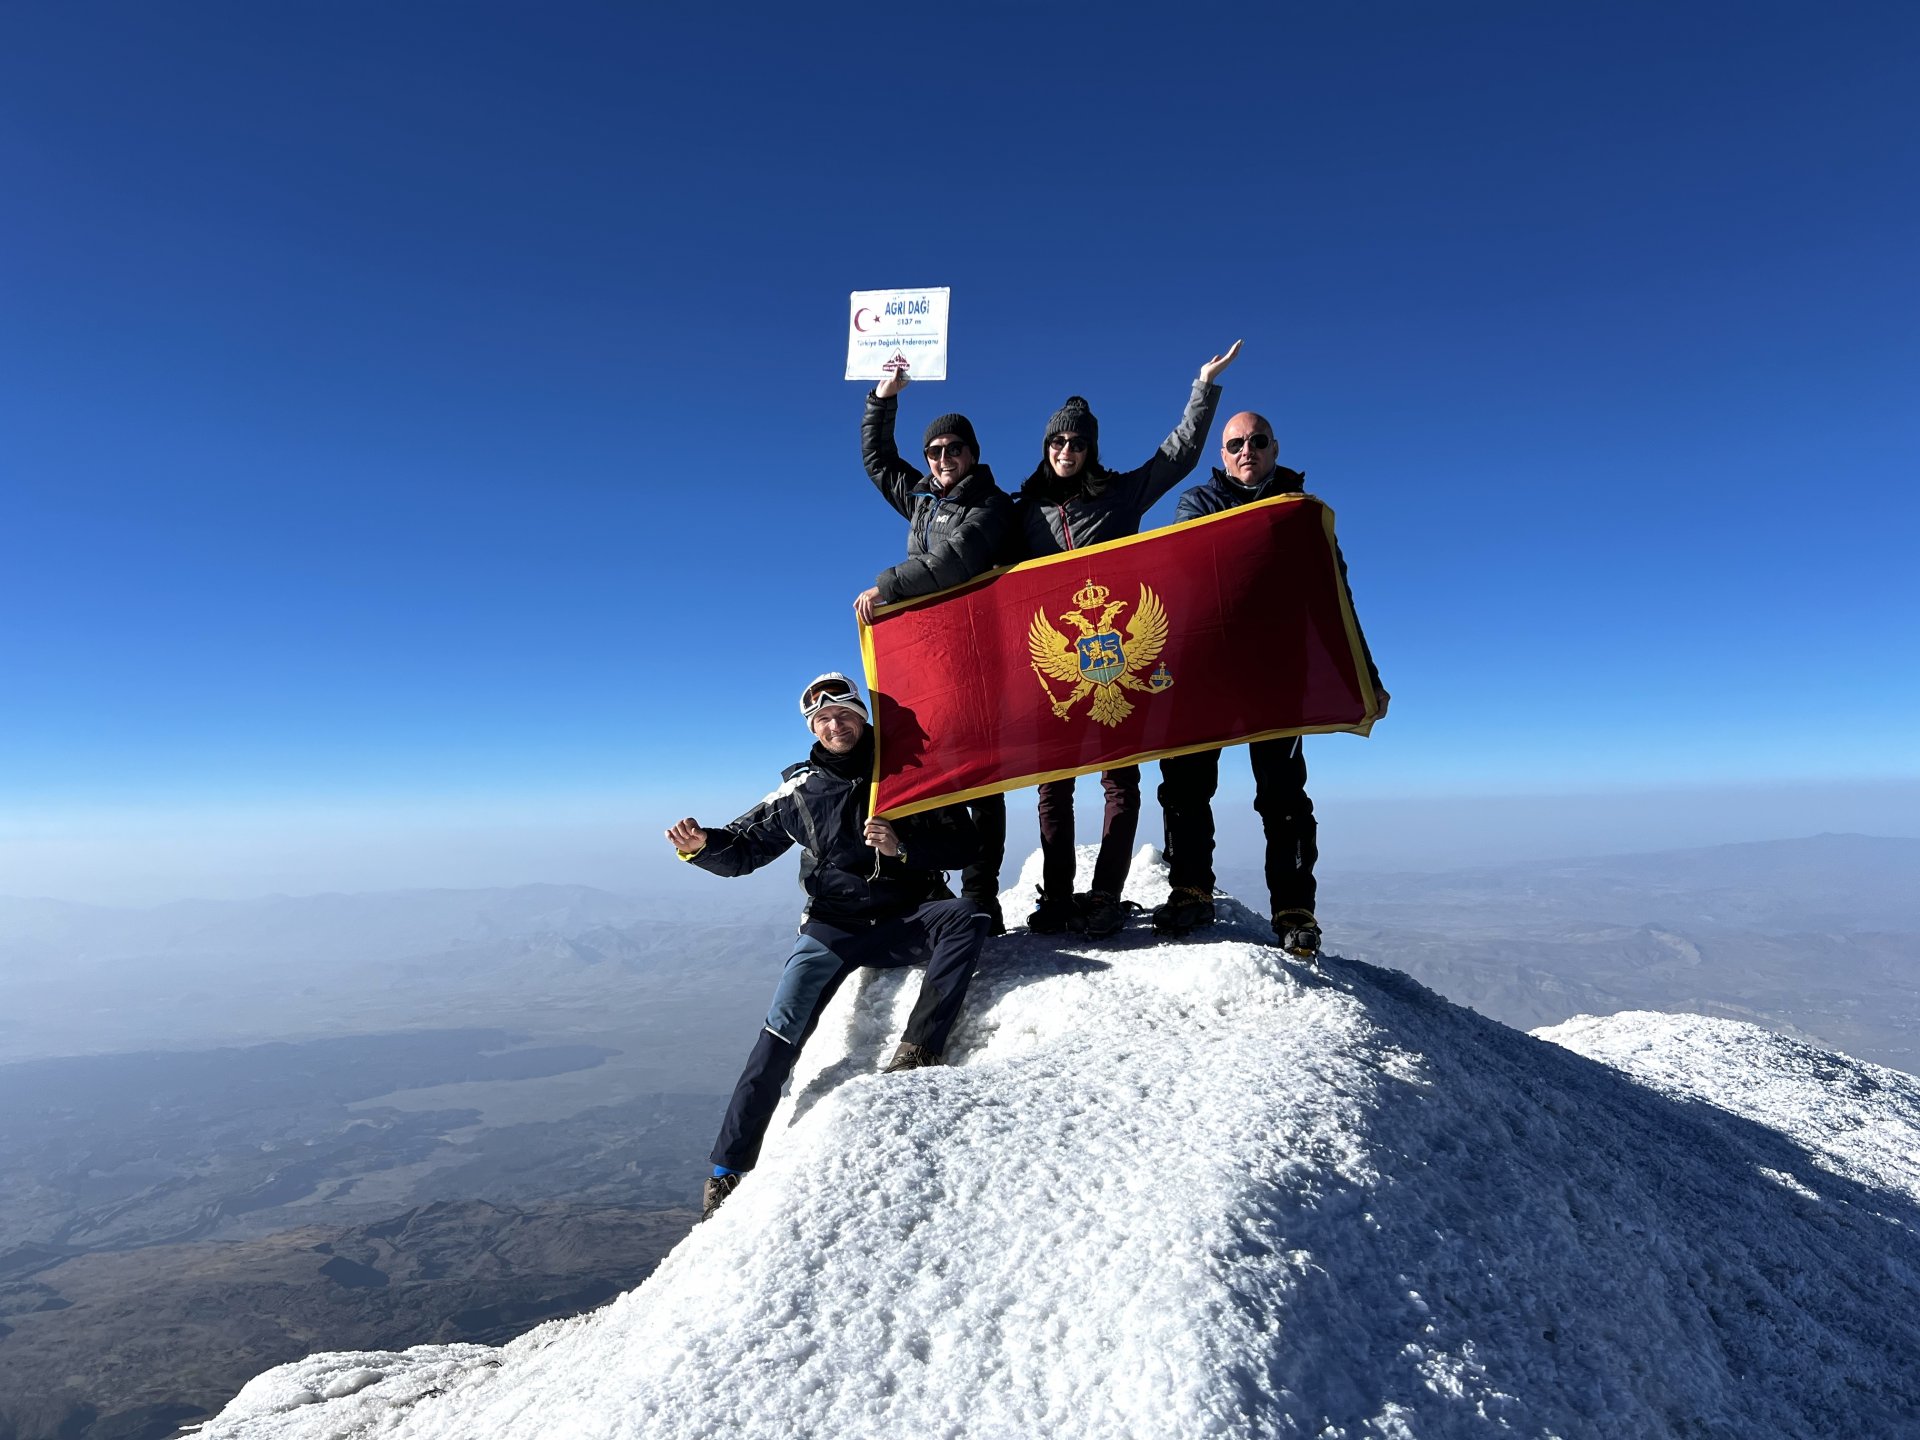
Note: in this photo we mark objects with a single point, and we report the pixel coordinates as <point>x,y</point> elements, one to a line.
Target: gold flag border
<point>1374,709</point>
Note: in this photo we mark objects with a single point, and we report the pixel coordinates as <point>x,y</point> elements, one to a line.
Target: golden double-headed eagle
<point>1096,659</point>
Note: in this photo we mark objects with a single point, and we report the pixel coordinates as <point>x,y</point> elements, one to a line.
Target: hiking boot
<point>1183,912</point>
<point>1100,915</point>
<point>718,1188</point>
<point>1054,915</point>
<point>989,906</point>
<point>911,1057</point>
<point>1298,933</point>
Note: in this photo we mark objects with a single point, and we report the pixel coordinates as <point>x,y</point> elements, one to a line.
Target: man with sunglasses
<point>958,521</point>
<point>1071,501</point>
<point>875,897</point>
<point>1249,471</point>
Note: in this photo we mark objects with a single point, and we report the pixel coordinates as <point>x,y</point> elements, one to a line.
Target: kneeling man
<point>875,896</point>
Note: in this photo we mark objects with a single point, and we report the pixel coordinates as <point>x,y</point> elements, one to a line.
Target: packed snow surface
<point>1193,1188</point>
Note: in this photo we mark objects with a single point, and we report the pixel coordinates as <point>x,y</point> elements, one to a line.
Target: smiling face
<point>1248,451</point>
<point>1067,454</point>
<point>837,729</point>
<point>949,458</point>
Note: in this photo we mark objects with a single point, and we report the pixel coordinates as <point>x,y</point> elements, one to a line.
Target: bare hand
<point>864,602</point>
<point>1210,371</point>
<point>881,837</point>
<point>896,381</point>
<point>687,837</point>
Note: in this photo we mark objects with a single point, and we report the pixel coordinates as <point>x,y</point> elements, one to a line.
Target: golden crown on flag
<point>1091,598</point>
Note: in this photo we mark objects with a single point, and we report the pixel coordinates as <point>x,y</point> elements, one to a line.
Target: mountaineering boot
<point>1100,915</point>
<point>911,1057</point>
<point>1183,911</point>
<point>1054,914</point>
<point>1298,933</point>
<point>718,1188</point>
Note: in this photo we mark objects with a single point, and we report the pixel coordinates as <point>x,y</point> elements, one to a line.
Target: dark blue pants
<point>1187,785</point>
<point>945,936</point>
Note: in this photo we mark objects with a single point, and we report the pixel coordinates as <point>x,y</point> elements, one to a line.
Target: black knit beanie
<point>1073,418</point>
<point>952,425</point>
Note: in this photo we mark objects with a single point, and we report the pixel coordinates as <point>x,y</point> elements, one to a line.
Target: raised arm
<point>1180,451</point>
<point>891,475</point>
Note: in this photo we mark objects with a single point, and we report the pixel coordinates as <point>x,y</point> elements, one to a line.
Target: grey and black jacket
<point>1225,493</point>
<point>951,537</point>
<point>826,814</point>
<point>1100,504</point>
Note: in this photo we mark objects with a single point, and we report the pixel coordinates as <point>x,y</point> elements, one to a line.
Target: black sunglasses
<point>1258,441</point>
<point>1073,444</point>
<point>942,451</point>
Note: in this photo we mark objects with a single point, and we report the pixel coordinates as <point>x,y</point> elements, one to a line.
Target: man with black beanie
<point>958,521</point>
<point>874,898</point>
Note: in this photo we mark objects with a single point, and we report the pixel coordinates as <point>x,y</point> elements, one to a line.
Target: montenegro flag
<point>1233,627</point>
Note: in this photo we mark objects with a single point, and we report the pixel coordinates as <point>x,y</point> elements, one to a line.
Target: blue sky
<point>434,411</point>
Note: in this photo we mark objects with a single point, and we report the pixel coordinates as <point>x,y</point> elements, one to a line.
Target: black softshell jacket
<point>950,537</point>
<point>825,814</point>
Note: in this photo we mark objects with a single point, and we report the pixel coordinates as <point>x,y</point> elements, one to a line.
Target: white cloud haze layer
<point>151,856</point>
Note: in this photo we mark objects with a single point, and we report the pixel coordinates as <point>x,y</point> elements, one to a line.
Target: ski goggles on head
<point>829,691</point>
<point>1256,442</point>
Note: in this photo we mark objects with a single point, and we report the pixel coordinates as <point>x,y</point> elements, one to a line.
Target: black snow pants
<point>980,881</point>
<point>1187,786</point>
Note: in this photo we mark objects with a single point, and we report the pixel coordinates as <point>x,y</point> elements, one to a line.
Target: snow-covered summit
<point>1197,1189</point>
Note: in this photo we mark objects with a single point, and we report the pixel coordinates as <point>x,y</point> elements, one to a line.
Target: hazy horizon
<point>154,857</point>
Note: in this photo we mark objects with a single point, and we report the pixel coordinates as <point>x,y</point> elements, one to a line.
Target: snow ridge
<point>1196,1189</point>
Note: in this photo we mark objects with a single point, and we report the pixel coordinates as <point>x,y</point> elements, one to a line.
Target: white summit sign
<point>892,329</point>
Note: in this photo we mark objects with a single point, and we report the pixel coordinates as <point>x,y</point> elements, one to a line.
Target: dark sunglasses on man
<point>946,448</point>
<point>1072,444</point>
<point>1258,441</point>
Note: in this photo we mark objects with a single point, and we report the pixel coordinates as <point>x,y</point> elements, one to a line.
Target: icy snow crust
<point>1196,1189</point>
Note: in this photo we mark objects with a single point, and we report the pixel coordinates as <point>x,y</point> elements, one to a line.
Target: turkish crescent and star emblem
<point>1097,660</point>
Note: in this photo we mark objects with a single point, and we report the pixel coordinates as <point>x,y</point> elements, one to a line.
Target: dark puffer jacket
<point>950,537</point>
<point>1224,493</point>
<point>1098,504</point>
<point>825,813</point>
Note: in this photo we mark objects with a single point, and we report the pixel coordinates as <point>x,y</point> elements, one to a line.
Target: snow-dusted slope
<point>1195,1189</point>
<point>1859,1120</point>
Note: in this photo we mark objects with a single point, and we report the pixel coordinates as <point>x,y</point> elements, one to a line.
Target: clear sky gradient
<point>435,411</point>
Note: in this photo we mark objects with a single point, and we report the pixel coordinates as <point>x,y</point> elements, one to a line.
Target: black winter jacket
<point>825,814</point>
<point>1099,504</point>
<point>951,537</point>
<point>1224,493</point>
